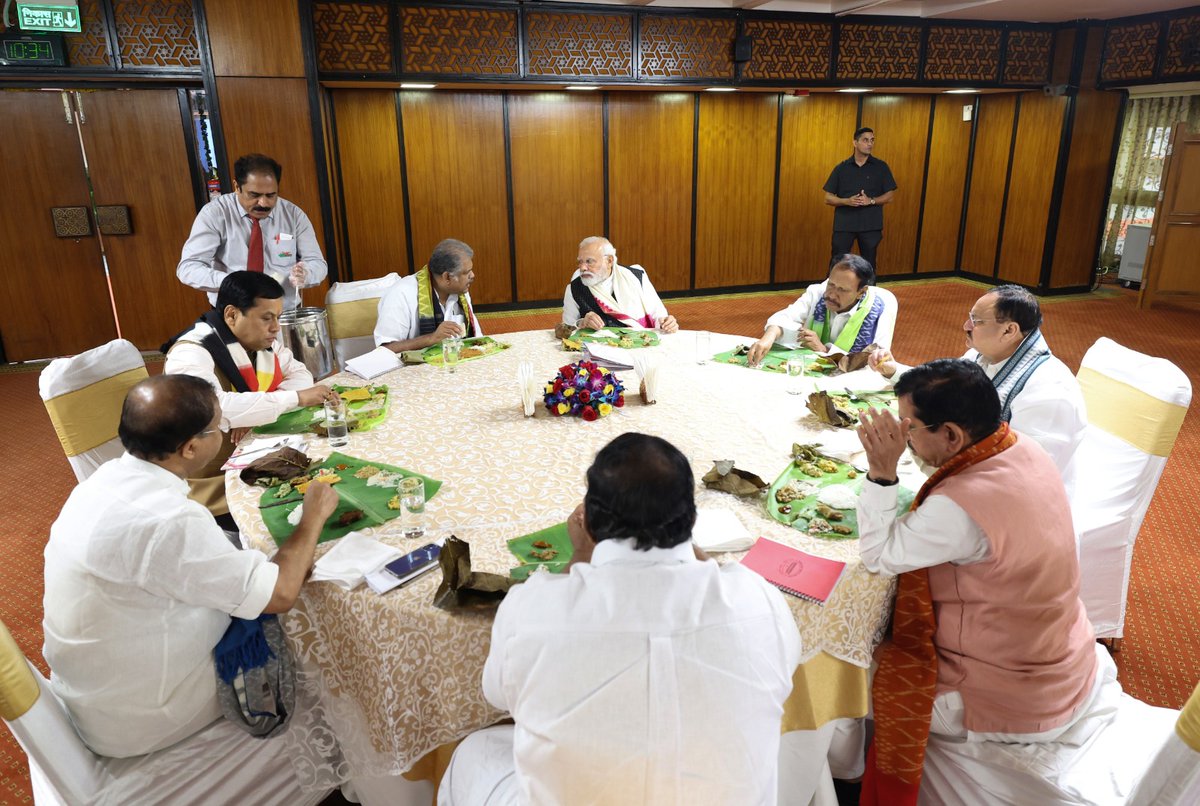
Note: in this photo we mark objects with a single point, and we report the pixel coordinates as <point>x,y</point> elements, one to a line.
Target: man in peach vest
<point>989,639</point>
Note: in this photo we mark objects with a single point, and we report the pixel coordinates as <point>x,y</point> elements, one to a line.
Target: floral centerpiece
<point>585,390</point>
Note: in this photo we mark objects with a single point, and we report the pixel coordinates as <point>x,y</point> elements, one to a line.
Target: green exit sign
<point>48,17</point>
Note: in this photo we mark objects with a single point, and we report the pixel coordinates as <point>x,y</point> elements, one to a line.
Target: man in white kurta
<point>433,304</point>
<point>141,582</point>
<point>845,314</point>
<point>603,293</point>
<point>1039,395</point>
<point>644,674</point>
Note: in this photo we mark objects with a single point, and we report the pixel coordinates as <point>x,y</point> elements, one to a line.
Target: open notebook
<point>794,571</point>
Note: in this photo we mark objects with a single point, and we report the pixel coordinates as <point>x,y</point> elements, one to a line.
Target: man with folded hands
<point>990,642</point>
<point>645,674</point>
<point>141,582</point>
<point>233,347</point>
<point>425,308</point>
<point>602,293</point>
<point>1039,395</point>
<point>846,314</point>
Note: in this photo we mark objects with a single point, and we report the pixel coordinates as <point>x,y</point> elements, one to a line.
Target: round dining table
<point>385,680</point>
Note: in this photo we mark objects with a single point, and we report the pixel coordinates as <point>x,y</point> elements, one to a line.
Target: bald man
<point>141,582</point>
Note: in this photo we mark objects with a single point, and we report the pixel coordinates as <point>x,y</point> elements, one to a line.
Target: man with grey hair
<point>424,308</point>
<point>603,293</point>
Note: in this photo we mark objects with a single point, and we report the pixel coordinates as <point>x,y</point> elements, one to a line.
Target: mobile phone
<point>413,563</point>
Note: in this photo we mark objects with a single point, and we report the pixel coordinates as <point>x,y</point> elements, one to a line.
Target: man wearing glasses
<point>603,293</point>
<point>1039,395</point>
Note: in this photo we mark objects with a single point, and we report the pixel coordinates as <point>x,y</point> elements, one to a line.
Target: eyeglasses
<point>977,322</point>
<point>912,427</point>
<point>224,425</point>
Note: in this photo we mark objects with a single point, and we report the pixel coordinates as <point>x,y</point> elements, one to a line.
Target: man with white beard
<point>603,293</point>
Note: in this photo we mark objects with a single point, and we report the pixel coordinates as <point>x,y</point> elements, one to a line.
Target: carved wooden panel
<point>459,41</point>
<point>686,47</point>
<point>1129,51</point>
<point>879,52</point>
<point>156,33</point>
<point>1027,57</point>
<point>89,47</point>
<point>353,37</point>
<point>579,44</point>
<point>1183,47</point>
<point>954,53</point>
<point>785,50</point>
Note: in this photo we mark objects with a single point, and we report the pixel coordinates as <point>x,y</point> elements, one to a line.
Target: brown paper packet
<point>283,464</point>
<point>827,411</point>
<point>733,480</point>
<point>462,588</point>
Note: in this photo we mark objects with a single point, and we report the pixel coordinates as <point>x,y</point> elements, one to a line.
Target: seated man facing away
<point>643,675</point>
<point>1038,394</point>
<point>603,293</point>
<point>434,304</point>
<point>990,641</point>
<point>141,582</point>
<point>846,313</point>
<point>233,348</point>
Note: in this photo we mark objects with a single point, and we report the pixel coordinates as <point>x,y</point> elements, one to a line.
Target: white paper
<point>616,359</point>
<point>720,530</point>
<point>605,334</point>
<point>255,449</point>
<point>351,559</point>
<point>379,361</point>
<point>381,580</point>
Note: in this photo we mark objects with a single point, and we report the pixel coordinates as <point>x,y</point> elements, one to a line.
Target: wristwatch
<point>872,201</point>
<point>883,482</point>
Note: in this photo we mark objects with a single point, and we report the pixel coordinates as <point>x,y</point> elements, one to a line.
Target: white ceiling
<point>1013,10</point>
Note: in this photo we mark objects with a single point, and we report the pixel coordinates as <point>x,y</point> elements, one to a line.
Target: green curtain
<point>1136,178</point>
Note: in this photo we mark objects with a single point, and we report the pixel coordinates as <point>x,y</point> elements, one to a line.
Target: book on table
<point>793,571</point>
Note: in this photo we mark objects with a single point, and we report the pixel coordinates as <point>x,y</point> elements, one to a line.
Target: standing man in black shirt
<point>857,190</point>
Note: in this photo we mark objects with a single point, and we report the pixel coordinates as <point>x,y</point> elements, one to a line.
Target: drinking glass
<point>451,350</point>
<point>412,498</point>
<point>703,346</point>
<point>335,423</point>
<point>795,372</point>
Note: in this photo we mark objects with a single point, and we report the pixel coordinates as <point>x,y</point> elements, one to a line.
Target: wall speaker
<point>743,48</point>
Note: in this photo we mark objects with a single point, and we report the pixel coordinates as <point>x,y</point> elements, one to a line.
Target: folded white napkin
<point>840,443</point>
<point>379,361</point>
<point>529,386</point>
<point>720,530</point>
<point>354,556</point>
<point>648,368</point>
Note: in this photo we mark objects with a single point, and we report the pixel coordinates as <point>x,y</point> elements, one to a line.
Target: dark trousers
<point>868,242</point>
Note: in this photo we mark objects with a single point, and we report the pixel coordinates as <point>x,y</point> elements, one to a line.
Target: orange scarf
<point>905,681</point>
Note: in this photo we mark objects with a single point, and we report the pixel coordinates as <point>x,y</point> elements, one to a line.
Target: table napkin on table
<point>354,556</point>
<point>649,369</point>
<point>530,387</point>
<point>841,444</point>
<point>720,530</point>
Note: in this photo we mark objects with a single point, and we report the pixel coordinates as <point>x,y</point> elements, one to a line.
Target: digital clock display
<point>23,50</point>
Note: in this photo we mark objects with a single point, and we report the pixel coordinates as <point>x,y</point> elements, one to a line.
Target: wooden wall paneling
<point>993,140</point>
<point>371,189</point>
<point>1031,190</point>
<point>157,34</point>
<point>1085,193</point>
<point>353,37</point>
<point>557,185</point>
<point>735,188</point>
<point>255,39</point>
<point>271,116</point>
<point>151,302</point>
<point>1027,57</point>
<point>459,41</point>
<point>457,186</point>
<point>944,184</point>
<point>650,183</point>
<point>818,133</point>
<point>901,124</point>
<point>1064,55</point>
<point>53,298</point>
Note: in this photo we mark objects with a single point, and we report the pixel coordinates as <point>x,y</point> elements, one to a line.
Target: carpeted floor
<point>1159,662</point>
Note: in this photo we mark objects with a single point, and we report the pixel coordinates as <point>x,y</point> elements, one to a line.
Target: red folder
<point>794,571</point>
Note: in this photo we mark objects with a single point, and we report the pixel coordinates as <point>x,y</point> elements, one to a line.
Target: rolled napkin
<point>720,530</point>
<point>530,388</point>
<point>354,556</point>
<point>648,369</point>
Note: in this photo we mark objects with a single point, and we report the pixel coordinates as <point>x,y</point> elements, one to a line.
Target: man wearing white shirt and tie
<point>252,229</point>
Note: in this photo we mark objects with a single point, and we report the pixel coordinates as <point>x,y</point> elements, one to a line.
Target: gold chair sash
<point>88,417</point>
<point>1188,726</point>
<point>19,689</point>
<point>354,318</point>
<point>1129,414</point>
<point>825,689</point>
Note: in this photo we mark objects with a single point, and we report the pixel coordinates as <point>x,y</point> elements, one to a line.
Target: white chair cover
<point>352,326</point>
<point>1174,776</point>
<point>1135,406</point>
<point>102,405</point>
<point>1118,739</point>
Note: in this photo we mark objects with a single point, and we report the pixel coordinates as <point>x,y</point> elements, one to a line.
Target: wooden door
<point>53,297</point>
<point>1175,237</point>
<point>137,157</point>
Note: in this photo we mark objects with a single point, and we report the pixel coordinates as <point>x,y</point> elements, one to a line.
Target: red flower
<point>558,384</point>
<point>620,401</point>
<point>567,372</point>
<point>585,395</point>
<point>589,414</point>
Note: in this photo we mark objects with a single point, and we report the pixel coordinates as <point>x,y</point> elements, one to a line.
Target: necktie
<point>254,257</point>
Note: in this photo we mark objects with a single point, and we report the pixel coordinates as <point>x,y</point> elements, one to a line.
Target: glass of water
<point>451,351</point>
<point>703,346</point>
<point>795,372</point>
<point>412,498</point>
<point>335,423</point>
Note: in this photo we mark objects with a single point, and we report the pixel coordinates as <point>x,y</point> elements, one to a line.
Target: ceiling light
<point>961,92</point>
<point>583,86</point>
<point>417,86</point>
<point>854,89</point>
<point>720,89</point>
